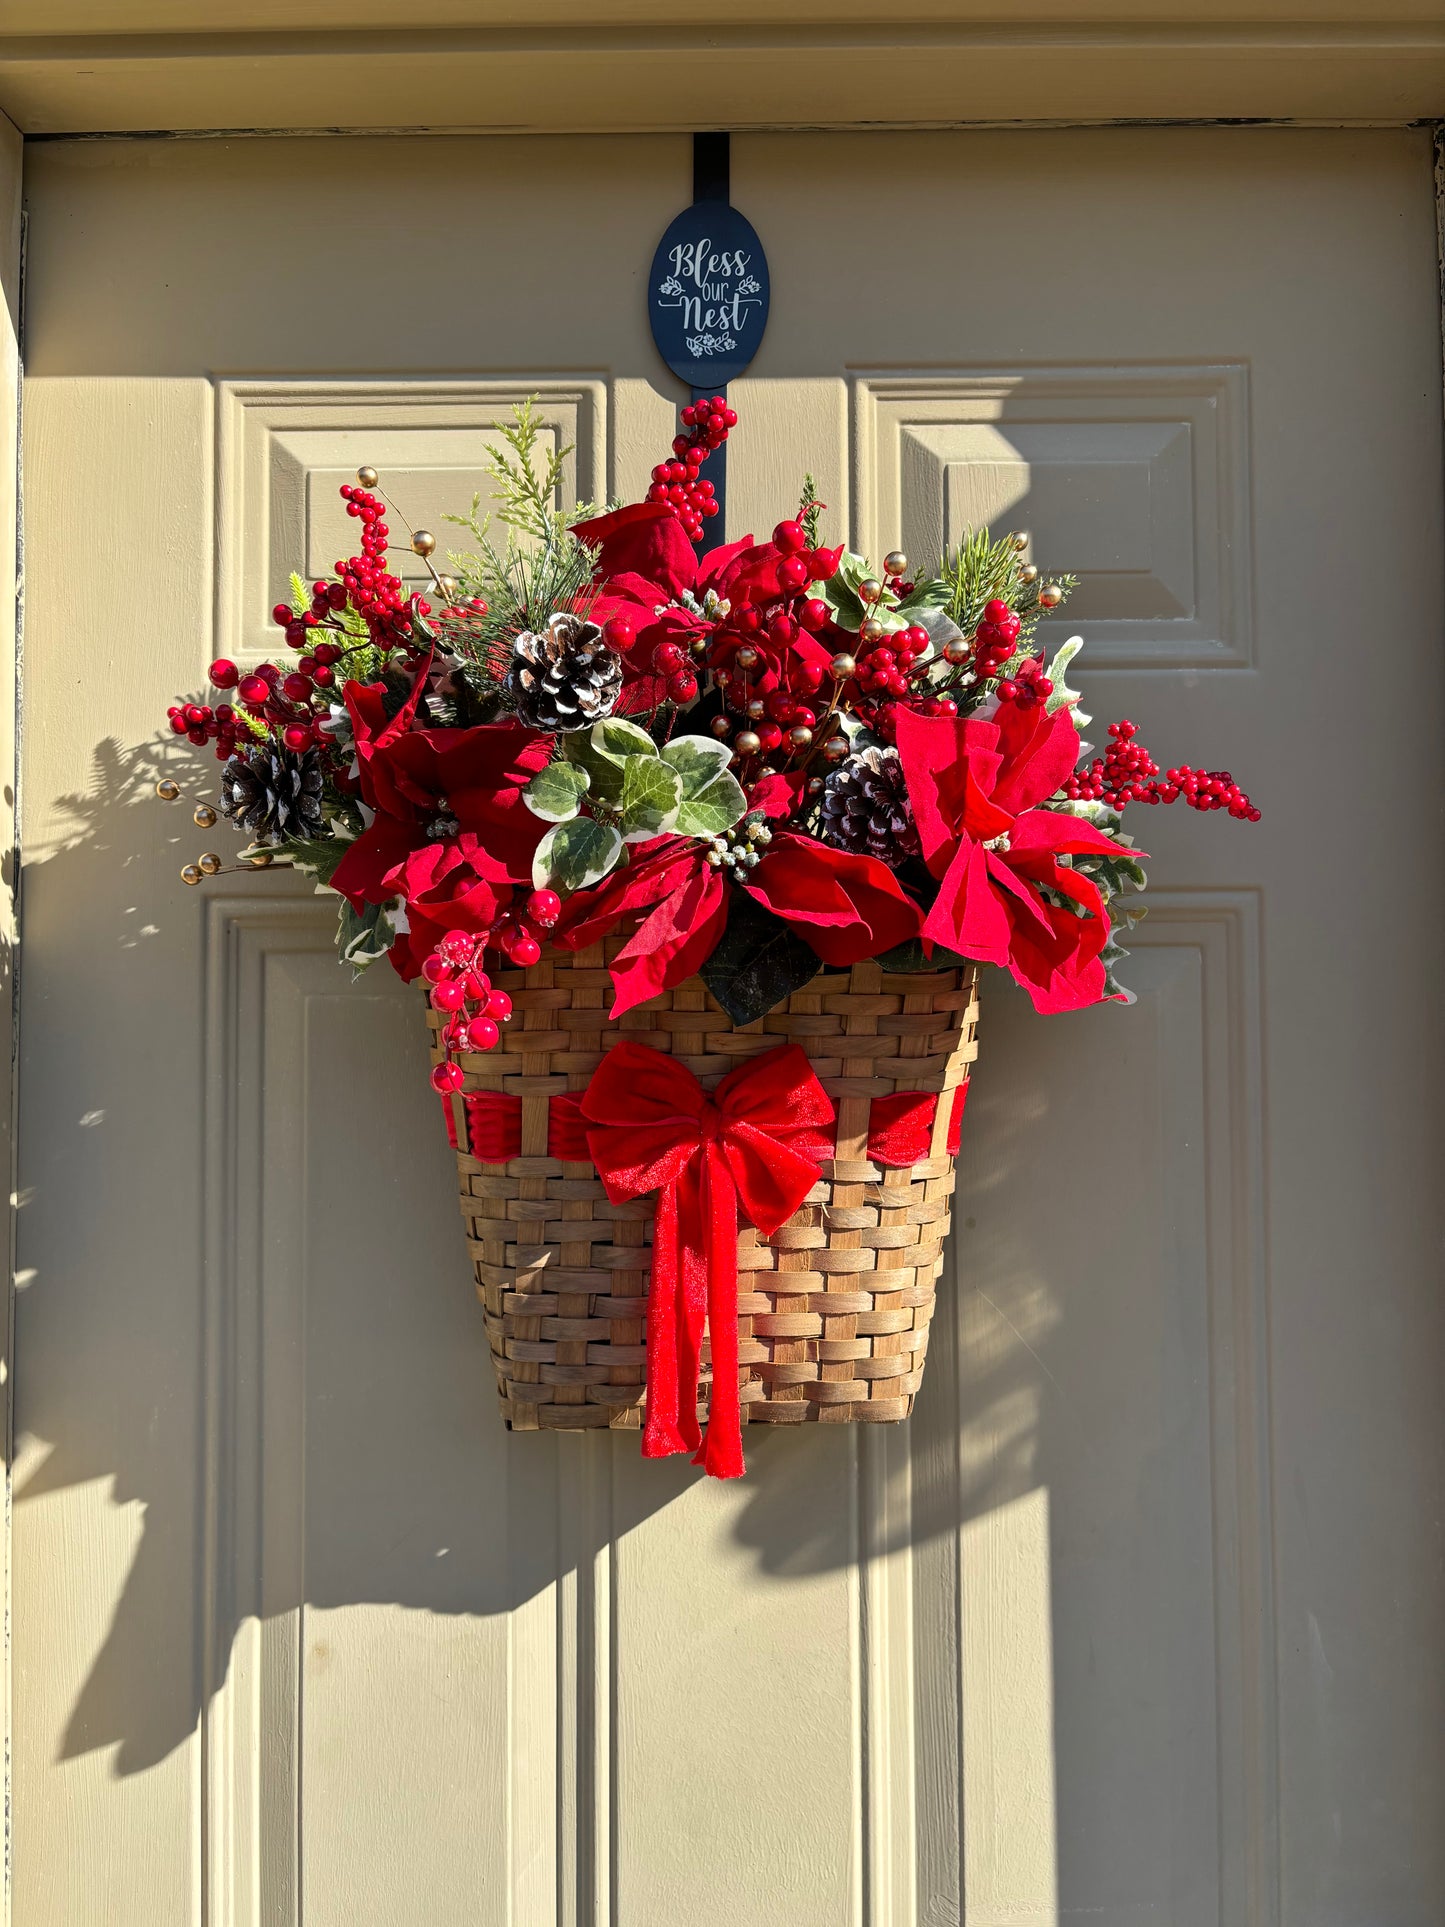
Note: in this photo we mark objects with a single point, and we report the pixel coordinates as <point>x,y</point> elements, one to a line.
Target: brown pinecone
<point>865,808</point>
<point>273,793</point>
<point>566,677</point>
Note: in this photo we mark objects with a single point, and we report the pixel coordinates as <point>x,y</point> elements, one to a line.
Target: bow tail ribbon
<point>652,1127</point>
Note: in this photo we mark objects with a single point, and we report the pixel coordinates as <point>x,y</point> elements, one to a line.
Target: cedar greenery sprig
<point>810,508</point>
<point>541,568</point>
<point>527,502</point>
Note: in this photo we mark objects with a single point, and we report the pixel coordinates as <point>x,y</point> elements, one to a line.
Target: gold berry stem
<point>422,540</point>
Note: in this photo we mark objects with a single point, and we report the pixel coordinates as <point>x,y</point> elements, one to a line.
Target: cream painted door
<point>1141,1621</point>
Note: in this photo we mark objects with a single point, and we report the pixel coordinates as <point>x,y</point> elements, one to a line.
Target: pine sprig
<point>983,567</point>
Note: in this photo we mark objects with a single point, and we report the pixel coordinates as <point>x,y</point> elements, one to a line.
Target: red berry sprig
<point>1028,686</point>
<point>670,663</point>
<point>462,992</point>
<point>884,668</point>
<point>373,591</point>
<point>995,639</point>
<point>200,724</point>
<point>1129,774</point>
<point>677,482</point>
<point>461,989</point>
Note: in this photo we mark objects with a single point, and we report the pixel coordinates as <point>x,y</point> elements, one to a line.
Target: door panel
<point>1138,1619</point>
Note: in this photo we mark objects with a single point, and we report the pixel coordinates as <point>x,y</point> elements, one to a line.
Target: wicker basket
<point>833,1310</point>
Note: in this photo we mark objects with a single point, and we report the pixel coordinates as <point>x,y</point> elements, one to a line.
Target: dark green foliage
<point>759,961</point>
<point>907,958</point>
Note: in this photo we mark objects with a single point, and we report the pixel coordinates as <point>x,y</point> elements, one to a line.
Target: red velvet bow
<point>751,1145</point>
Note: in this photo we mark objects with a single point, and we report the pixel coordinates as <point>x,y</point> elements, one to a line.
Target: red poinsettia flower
<point>434,787</point>
<point>644,562</point>
<point>674,940</point>
<point>975,787</point>
<point>846,907</point>
<point>642,545</point>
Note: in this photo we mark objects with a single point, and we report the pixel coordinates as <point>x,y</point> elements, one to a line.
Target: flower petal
<point>674,942</point>
<point>643,539</point>
<point>1039,754</point>
<point>846,907</point>
<point>968,914</point>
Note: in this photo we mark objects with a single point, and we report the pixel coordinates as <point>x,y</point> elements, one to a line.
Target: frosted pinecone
<point>865,807</point>
<point>272,793</point>
<point>565,677</point>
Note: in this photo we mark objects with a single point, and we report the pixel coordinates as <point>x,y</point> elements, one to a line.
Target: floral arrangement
<point>756,763</point>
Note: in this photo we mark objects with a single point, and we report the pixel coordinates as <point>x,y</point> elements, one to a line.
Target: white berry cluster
<point>740,849</point>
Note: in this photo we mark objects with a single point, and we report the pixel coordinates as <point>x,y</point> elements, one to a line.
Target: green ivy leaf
<point>318,856</point>
<point>697,760</point>
<point>841,589</point>
<point>758,961</point>
<point>555,793</point>
<point>572,855</point>
<point>926,595</point>
<point>651,792</point>
<point>364,936</point>
<point>847,609</point>
<point>603,750</point>
<point>715,808</point>
<point>615,736</point>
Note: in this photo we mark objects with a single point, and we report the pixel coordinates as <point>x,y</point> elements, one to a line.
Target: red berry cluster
<point>995,639</point>
<point>883,668</point>
<point>462,992</point>
<point>516,936</point>
<point>670,662</point>
<point>676,482</point>
<point>200,724</point>
<point>278,698</point>
<point>1128,774</point>
<point>1028,686</point>
<point>886,675</point>
<point>767,650</point>
<point>375,594</point>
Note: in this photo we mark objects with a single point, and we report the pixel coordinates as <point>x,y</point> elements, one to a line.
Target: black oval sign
<point>708,298</point>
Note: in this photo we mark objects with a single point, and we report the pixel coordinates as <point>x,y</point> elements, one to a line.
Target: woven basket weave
<point>833,1309</point>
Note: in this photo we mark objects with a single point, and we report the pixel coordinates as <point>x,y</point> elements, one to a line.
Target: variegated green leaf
<point>572,855</point>
<point>615,736</point>
<point>697,760</point>
<point>715,808</point>
<point>651,792</point>
<point>555,793</point>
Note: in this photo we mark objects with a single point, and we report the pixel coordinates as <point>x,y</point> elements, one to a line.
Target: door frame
<point>135,66</point>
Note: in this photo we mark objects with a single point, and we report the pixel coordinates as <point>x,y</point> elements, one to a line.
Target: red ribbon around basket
<point>753,1147</point>
<point>900,1126</point>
